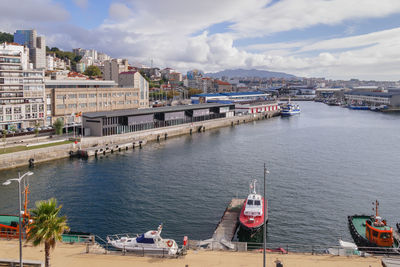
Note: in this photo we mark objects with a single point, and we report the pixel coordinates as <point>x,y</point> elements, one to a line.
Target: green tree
<point>92,71</point>
<point>54,49</point>
<point>4,137</point>
<point>58,125</point>
<point>36,131</point>
<point>47,226</point>
<point>6,37</point>
<point>194,91</point>
<point>12,129</point>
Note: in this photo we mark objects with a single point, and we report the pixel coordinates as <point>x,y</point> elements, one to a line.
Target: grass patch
<point>24,148</point>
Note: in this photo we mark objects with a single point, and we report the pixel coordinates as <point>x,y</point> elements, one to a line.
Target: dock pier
<point>109,148</point>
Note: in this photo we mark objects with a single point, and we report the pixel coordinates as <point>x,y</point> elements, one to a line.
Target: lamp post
<point>19,179</point>
<point>265,226</point>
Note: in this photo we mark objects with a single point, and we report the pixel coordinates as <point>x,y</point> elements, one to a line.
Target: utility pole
<point>265,217</point>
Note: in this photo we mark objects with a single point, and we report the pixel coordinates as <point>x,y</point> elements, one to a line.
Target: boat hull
<point>256,224</point>
<point>364,244</point>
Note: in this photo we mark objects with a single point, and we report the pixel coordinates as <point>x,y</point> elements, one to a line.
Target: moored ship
<point>149,242</point>
<point>251,216</point>
<point>370,232</point>
<point>290,109</point>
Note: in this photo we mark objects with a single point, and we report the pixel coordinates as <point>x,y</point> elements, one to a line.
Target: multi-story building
<point>221,86</point>
<point>136,80</point>
<point>67,98</point>
<point>21,89</point>
<point>36,45</point>
<point>114,67</point>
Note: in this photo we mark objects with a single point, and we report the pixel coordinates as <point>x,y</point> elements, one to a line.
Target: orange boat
<point>9,224</point>
<point>372,231</point>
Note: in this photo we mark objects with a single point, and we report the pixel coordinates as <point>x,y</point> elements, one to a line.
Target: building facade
<point>112,68</point>
<point>67,99</point>
<point>133,79</point>
<point>36,45</point>
<point>21,89</point>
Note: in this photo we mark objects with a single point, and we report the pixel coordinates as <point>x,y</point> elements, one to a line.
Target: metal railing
<point>291,247</point>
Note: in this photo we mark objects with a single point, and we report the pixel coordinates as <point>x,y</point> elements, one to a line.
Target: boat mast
<point>376,208</point>
<point>26,192</point>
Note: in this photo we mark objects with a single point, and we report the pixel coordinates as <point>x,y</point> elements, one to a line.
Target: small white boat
<point>347,249</point>
<point>149,242</point>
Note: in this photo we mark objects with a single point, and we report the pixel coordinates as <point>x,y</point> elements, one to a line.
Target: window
<point>41,108</point>
<point>104,95</point>
<point>82,105</point>
<point>48,96</point>
<point>82,95</point>
<point>114,94</point>
<point>61,96</point>
<point>71,105</point>
<point>72,96</point>
<point>120,102</point>
<point>374,233</point>
<point>1,111</point>
<point>34,108</point>
<point>17,110</point>
<point>93,104</point>
<point>8,117</point>
<point>257,202</point>
<point>48,107</point>
<point>385,235</point>
<point>60,106</point>
<point>249,202</point>
<point>8,111</point>
<point>93,95</point>
<point>27,116</point>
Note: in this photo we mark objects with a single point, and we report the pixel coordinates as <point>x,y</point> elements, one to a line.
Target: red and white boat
<point>252,214</point>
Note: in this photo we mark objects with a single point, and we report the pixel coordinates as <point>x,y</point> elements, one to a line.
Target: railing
<point>299,248</point>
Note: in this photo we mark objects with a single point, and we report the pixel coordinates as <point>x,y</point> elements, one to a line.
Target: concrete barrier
<point>18,159</point>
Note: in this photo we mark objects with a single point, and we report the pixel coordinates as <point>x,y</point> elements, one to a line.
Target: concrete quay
<point>40,155</point>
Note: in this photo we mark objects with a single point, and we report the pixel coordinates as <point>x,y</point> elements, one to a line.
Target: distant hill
<point>250,73</point>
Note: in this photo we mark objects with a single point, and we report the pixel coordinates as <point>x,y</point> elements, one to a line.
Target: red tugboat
<point>251,216</point>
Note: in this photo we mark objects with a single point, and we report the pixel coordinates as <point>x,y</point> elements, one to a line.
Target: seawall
<point>20,159</point>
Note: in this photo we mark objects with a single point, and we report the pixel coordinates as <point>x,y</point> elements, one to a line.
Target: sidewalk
<point>74,255</point>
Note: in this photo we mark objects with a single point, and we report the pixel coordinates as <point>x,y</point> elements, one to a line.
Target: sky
<point>335,39</point>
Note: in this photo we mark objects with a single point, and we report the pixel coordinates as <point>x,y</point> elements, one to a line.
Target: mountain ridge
<point>249,73</point>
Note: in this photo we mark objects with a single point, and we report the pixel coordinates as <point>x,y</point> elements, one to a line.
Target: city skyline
<point>332,39</point>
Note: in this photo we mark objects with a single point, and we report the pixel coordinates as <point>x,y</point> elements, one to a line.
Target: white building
<point>21,89</point>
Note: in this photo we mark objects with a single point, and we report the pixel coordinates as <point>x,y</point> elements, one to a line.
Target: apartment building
<point>21,89</point>
<point>133,79</point>
<point>36,45</point>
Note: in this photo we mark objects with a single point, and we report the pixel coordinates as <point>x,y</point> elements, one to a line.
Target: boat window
<point>257,202</point>
<point>385,235</point>
<point>375,233</point>
<point>249,202</point>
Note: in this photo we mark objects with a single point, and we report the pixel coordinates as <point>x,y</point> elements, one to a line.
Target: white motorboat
<point>149,242</point>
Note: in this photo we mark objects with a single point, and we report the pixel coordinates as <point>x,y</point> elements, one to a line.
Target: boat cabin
<point>9,226</point>
<point>377,232</point>
<point>253,205</point>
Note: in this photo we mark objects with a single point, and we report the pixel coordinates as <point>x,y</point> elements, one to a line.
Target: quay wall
<point>20,159</point>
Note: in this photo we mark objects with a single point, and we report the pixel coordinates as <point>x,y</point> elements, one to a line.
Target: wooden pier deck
<point>226,228</point>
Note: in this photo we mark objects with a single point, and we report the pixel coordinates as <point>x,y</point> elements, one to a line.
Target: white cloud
<point>81,3</point>
<point>182,34</point>
<point>27,14</point>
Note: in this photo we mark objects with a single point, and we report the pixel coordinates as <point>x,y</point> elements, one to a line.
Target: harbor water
<point>325,164</point>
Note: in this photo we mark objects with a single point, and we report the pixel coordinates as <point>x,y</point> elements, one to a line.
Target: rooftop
<point>80,82</point>
<point>377,94</point>
<point>145,111</point>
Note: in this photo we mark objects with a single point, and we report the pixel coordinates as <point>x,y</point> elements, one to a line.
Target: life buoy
<point>170,243</point>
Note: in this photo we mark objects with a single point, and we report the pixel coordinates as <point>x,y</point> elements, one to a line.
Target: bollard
<point>87,248</point>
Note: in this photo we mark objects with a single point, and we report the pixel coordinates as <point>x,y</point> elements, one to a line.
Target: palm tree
<point>47,226</point>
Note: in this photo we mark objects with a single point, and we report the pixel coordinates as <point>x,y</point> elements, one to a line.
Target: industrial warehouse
<point>131,120</point>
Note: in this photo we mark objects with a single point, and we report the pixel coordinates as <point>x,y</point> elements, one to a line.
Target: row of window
<point>72,96</point>
<point>21,117</point>
<point>94,104</point>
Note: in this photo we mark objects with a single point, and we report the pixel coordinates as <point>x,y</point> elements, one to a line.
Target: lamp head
<point>7,182</point>
<point>29,173</point>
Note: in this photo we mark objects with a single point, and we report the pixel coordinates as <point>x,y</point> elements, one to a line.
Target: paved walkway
<point>74,255</point>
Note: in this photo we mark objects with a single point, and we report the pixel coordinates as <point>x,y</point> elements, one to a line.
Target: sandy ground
<point>74,255</point>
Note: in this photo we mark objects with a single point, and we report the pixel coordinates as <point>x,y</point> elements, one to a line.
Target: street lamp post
<point>19,179</point>
<point>265,225</point>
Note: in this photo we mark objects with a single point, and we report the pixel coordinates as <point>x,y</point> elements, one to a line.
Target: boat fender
<point>185,240</point>
<point>170,243</point>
